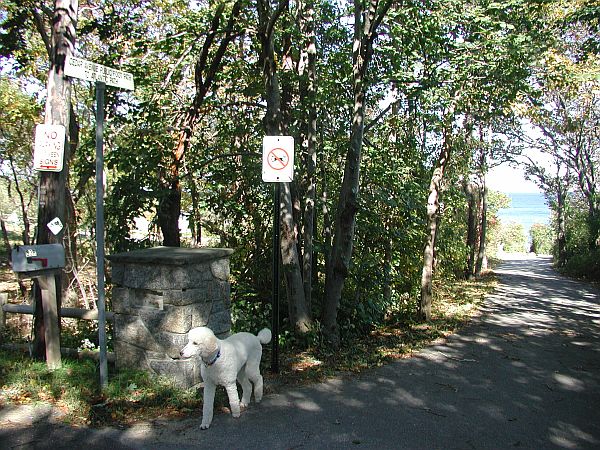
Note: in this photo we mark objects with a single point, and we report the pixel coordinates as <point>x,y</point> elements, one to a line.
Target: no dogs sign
<point>278,159</point>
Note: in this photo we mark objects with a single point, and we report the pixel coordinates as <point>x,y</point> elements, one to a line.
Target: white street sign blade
<point>278,159</point>
<point>49,148</point>
<point>87,70</point>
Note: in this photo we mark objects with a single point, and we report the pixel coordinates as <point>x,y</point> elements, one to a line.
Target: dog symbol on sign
<point>278,159</point>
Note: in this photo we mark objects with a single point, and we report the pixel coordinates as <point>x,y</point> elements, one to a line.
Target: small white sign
<point>55,225</point>
<point>49,149</point>
<point>278,159</point>
<point>87,70</point>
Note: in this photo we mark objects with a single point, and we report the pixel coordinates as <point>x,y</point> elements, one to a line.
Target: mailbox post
<point>43,262</point>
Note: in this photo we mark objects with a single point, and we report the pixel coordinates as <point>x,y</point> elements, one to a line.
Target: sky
<point>505,178</point>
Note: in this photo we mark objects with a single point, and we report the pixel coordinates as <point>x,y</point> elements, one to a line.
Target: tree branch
<point>39,25</point>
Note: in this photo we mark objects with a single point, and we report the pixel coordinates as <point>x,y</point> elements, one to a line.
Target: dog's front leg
<point>234,399</point>
<point>207,407</point>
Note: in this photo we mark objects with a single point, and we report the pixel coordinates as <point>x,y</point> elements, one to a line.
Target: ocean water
<point>526,209</point>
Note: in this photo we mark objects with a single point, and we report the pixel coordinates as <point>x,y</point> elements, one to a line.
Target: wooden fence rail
<point>74,313</point>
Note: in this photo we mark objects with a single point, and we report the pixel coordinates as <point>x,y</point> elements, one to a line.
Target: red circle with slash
<point>278,159</point>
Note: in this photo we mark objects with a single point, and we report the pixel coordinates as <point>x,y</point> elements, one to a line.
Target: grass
<point>129,397</point>
<point>133,396</point>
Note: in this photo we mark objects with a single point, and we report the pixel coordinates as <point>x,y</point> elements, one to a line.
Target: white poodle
<point>224,362</point>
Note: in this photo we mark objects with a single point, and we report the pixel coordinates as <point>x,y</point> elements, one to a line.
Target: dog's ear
<point>212,343</point>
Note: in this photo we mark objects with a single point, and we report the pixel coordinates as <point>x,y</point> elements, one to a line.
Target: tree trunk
<point>22,203</point>
<point>561,237</point>
<point>345,219</point>
<point>584,161</point>
<point>196,215</point>
<point>308,92</point>
<point>481,256</point>
<point>52,184</point>
<point>473,214</point>
<point>387,270</point>
<point>433,207</point>
<point>365,28</point>
<point>299,314</point>
<point>205,71</point>
<point>169,211</point>
<point>325,214</point>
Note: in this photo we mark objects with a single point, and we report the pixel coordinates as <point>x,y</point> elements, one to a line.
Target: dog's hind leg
<point>258,388</point>
<point>207,407</point>
<point>246,387</point>
<point>253,373</point>
<point>234,399</point>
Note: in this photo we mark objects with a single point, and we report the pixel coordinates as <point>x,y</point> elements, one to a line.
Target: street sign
<point>278,159</point>
<point>49,149</point>
<point>87,70</point>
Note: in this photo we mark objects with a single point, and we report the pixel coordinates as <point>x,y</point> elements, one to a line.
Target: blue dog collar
<point>214,359</point>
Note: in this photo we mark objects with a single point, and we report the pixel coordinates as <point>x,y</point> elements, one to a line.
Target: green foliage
<point>21,46</point>
<point>585,264</point>
<point>496,201</point>
<point>576,227</point>
<point>248,313</point>
<point>451,244</point>
<point>542,239</point>
<point>581,262</point>
<point>20,112</point>
<point>438,66</point>
<point>513,238</point>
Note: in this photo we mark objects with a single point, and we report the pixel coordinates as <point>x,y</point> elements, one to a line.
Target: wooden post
<point>3,301</point>
<point>51,331</point>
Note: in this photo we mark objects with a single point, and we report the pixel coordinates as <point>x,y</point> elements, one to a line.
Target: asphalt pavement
<point>524,374</point>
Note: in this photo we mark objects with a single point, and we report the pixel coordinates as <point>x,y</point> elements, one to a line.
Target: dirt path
<point>526,374</point>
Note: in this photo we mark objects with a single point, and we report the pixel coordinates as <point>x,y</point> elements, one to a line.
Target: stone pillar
<point>158,295</point>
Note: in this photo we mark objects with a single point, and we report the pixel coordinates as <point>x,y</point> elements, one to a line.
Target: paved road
<point>526,374</point>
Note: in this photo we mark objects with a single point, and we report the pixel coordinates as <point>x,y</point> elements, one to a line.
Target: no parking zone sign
<point>278,159</point>
<point>49,148</point>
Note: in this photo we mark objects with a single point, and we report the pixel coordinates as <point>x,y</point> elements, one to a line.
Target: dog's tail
<point>264,336</point>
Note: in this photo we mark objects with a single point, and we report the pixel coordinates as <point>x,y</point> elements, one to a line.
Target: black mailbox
<point>34,258</point>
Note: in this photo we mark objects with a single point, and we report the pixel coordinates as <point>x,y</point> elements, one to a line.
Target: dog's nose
<point>181,353</point>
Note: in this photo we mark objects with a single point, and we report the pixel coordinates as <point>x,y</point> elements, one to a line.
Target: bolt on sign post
<point>101,75</point>
<point>277,167</point>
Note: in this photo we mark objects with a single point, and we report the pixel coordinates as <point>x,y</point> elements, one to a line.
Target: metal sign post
<point>102,75</point>
<point>275,301</point>
<point>277,167</point>
<point>100,88</point>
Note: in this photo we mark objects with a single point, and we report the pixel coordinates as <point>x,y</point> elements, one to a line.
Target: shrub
<point>584,265</point>
<point>541,239</point>
<point>513,237</point>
